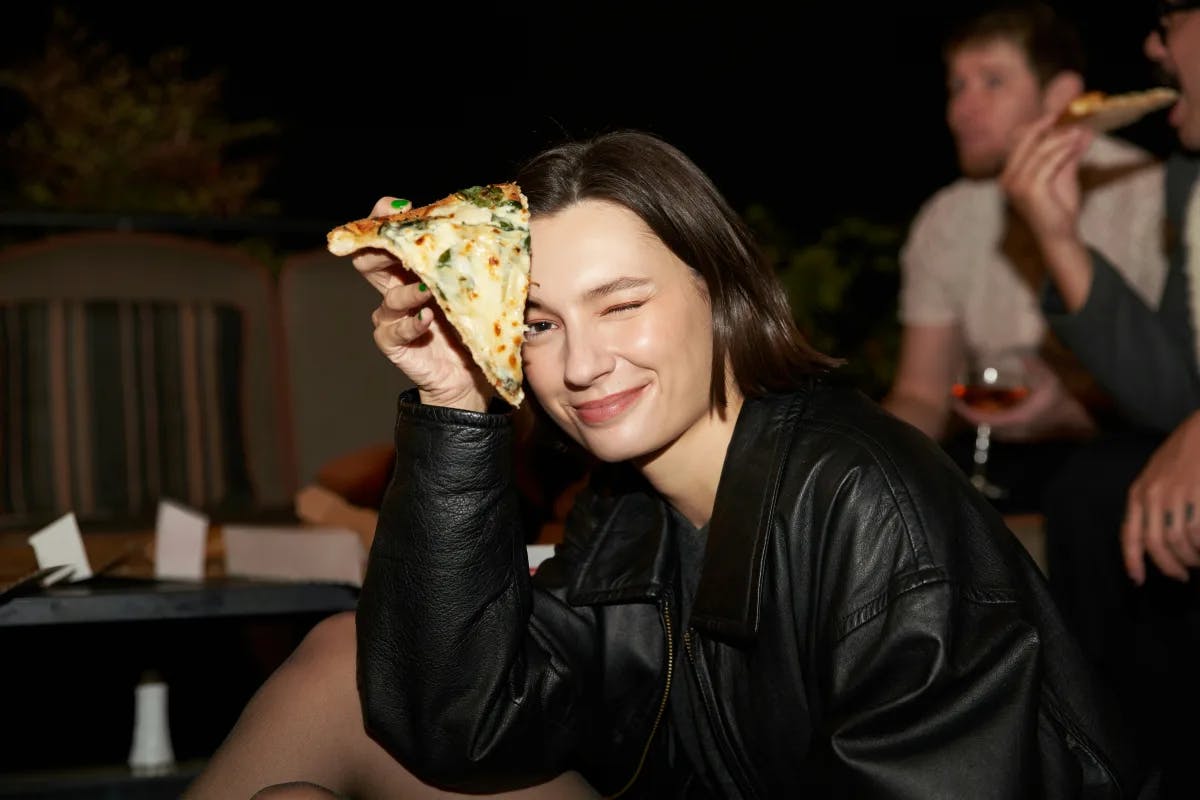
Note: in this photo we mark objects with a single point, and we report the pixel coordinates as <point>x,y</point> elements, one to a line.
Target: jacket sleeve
<point>936,696</point>
<point>1149,369</point>
<point>458,676</point>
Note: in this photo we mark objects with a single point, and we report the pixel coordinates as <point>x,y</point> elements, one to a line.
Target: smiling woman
<point>622,364</point>
<point>772,585</point>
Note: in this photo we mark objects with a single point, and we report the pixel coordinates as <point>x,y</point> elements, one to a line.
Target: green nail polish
<point>422,287</point>
<point>398,203</point>
<point>419,313</point>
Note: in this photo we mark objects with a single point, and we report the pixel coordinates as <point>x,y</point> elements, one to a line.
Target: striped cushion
<point>107,406</point>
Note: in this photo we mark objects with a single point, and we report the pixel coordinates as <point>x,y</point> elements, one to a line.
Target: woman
<point>771,585</point>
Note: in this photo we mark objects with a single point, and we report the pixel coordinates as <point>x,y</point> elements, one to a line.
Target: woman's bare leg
<point>304,725</point>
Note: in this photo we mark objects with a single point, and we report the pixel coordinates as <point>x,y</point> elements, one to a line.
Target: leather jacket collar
<point>631,556</point>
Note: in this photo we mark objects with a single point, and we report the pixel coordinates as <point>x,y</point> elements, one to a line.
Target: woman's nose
<point>588,359</point>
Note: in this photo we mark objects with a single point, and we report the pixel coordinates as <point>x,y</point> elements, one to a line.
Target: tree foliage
<point>843,290</point>
<point>105,134</point>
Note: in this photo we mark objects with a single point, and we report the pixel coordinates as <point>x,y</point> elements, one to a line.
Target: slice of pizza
<point>1106,112</point>
<point>472,250</point>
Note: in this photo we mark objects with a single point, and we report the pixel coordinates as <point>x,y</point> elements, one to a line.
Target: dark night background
<point>815,110</point>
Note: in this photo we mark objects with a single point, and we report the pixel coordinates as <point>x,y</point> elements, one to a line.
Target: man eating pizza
<point>970,274</point>
<point>1129,542</point>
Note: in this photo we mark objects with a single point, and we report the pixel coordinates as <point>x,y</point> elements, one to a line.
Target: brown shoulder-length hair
<point>753,328</point>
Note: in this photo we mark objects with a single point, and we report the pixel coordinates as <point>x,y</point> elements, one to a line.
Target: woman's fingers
<point>402,316</point>
<point>379,266</point>
<point>395,330</point>
<point>386,206</point>
<point>406,297</point>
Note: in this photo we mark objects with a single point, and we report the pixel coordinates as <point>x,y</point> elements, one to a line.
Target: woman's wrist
<point>464,401</point>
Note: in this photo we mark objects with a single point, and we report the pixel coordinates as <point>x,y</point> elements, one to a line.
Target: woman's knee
<point>296,790</point>
<point>331,643</point>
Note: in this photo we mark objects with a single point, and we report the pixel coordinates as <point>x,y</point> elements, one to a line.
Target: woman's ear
<point>1061,90</point>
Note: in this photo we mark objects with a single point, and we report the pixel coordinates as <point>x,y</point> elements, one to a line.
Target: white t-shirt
<point>955,270</point>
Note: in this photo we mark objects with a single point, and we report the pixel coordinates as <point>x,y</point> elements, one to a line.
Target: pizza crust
<point>1103,112</point>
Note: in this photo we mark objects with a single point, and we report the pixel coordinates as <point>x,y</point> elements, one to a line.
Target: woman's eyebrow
<point>614,286</point>
<point>597,292</point>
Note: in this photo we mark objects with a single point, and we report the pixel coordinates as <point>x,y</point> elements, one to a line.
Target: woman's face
<point>618,342</point>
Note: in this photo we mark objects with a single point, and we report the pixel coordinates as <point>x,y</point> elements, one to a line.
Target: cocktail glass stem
<point>983,442</point>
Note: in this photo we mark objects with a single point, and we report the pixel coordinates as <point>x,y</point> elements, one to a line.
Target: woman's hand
<point>414,334</point>
<point>1162,512</point>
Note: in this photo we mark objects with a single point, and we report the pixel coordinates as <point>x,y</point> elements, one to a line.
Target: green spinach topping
<point>483,196</point>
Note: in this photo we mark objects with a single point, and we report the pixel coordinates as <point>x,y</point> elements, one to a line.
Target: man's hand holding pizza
<point>1041,177</point>
<point>1041,180</point>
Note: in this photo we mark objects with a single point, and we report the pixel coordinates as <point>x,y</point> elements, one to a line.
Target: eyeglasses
<point>1167,9</point>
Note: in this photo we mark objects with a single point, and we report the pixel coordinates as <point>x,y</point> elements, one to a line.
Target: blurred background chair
<point>343,390</point>
<point>138,366</point>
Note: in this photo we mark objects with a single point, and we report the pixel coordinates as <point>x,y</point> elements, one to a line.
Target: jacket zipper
<point>662,707</point>
<point>722,742</point>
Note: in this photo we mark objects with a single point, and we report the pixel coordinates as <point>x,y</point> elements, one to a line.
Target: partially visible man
<point>1115,508</point>
<point>970,268</point>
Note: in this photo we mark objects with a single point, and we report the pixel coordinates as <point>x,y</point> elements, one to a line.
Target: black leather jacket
<point>864,626</point>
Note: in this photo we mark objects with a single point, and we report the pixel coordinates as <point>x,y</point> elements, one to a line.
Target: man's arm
<point>1121,341</point>
<point>920,393</point>
<point>1127,347</point>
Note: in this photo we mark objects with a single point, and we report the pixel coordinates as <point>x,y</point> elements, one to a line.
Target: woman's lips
<point>597,412</point>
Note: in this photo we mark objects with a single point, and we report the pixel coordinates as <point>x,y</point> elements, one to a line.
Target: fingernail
<point>398,203</point>
<point>422,287</point>
<point>420,314</point>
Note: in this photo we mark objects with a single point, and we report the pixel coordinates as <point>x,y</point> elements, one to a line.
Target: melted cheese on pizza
<point>472,249</point>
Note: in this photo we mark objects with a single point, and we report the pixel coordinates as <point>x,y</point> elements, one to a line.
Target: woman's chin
<point>614,445</point>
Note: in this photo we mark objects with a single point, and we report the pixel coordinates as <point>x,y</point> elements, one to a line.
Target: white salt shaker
<point>151,753</point>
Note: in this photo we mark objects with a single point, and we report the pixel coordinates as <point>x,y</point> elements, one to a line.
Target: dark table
<point>73,653</point>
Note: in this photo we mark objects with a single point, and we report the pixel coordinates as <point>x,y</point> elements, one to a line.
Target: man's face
<point>992,92</point>
<point>1175,47</point>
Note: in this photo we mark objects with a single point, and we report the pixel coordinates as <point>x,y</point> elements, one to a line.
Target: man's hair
<point>1050,43</point>
<point>753,329</point>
